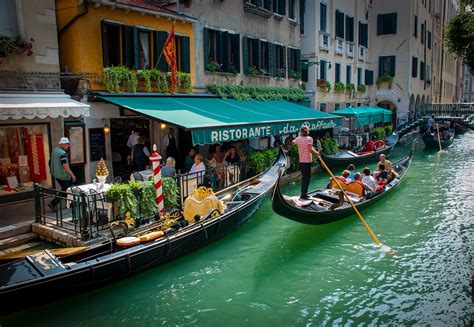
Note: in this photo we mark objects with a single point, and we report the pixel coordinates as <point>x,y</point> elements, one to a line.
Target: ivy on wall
<point>261,93</point>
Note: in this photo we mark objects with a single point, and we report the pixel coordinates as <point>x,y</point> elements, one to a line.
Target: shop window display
<point>24,157</point>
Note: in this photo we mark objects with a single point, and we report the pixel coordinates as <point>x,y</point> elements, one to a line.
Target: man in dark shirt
<point>59,168</point>
<point>140,156</point>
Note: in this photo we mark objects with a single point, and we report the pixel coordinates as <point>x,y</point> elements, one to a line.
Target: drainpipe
<point>69,23</point>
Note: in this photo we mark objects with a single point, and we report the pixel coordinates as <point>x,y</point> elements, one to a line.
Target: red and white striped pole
<point>155,161</point>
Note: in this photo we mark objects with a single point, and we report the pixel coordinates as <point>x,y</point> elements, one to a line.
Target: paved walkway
<point>13,213</point>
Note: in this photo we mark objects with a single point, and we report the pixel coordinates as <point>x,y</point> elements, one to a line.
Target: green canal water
<point>277,272</point>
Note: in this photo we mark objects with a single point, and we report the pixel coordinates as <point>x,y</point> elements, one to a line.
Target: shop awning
<point>366,115</point>
<point>214,120</point>
<point>40,105</point>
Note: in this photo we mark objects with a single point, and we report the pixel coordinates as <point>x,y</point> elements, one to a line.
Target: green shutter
<point>348,74</point>
<point>379,24</point>
<point>205,41</point>
<point>272,59</point>
<point>104,43</point>
<point>338,73</point>
<point>136,57</point>
<point>323,15</point>
<point>381,66</point>
<point>160,61</point>
<point>298,61</point>
<point>185,55</point>
<point>304,71</point>
<point>350,29</point>
<point>128,47</point>
<point>235,39</point>
<point>394,22</point>
<point>219,56</point>
<point>245,54</point>
<point>282,7</point>
<point>392,66</point>
<point>322,72</point>
<point>284,57</point>
<point>369,77</point>
<point>256,53</point>
<point>359,76</point>
<point>290,61</point>
<point>225,41</point>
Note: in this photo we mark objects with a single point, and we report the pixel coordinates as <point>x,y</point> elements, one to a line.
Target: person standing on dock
<point>305,150</point>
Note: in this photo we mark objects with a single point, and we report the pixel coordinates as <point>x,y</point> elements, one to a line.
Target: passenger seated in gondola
<point>388,167</point>
<point>351,169</point>
<point>381,176</point>
<point>346,176</point>
<point>368,180</point>
<point>358,179</point>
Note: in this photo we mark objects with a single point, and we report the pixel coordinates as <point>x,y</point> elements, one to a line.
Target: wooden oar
<point>439,139</point>
<point>59,252</point>
<point>385,248</point>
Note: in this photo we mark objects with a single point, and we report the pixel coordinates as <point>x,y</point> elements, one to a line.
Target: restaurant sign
<point>234,133</point>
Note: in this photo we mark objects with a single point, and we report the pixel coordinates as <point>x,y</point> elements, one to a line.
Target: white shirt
<point>369,181</point>
<point>196,169</point>
<point>132,139</point>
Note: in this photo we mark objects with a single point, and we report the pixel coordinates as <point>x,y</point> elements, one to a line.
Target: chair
<point>138,177</point>
<point>379,144</point>
<point>370,146</point>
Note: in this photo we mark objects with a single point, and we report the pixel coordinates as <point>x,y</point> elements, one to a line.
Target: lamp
<point>106,126</point>
<point>163,125</point>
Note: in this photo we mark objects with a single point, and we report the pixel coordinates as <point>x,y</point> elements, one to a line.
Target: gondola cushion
<point>128,241</point>
<point>151,236</point>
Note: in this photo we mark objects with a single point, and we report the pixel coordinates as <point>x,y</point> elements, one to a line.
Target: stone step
<point>17,240</point>
<point>15,229</point>
<point>21,247</point>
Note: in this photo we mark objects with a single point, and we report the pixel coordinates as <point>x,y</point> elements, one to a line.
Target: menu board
<point>97,143</point>
<point>77,145</point>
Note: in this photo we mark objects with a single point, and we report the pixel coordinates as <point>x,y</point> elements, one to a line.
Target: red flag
<point>169,51</point>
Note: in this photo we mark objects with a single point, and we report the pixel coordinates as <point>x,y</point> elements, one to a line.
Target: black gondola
<point>432,142</point>
<point>344,158</point>
<point>327,205</point>
<point>37,279</point>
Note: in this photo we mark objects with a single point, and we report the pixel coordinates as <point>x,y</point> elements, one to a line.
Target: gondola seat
<point>370,146</point>
<point>128,241</point>
<point>355,187</point>
<point>151,236</point>
<point>379,144</point>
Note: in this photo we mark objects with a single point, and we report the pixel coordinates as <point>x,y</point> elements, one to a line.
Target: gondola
<point>432,142</point>
<point>327,205</point>
<point>369,154</point>
<point>44,277</point>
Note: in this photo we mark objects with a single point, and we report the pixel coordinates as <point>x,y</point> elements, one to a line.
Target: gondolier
<point>305,152</point>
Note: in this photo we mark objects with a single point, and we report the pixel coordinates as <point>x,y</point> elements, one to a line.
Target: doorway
<point>393,108</point>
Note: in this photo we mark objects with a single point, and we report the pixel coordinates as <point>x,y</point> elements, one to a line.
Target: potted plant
<point>379,133</point>
<point>280,74</point>
<point>350,88</point>
<point>295,75</point>
<point>16,45</point>
<point>213,65</point>
<point>185,82</point>
<point>361,88</point>
<point>328,87</point>
<point>385,79</point>
<point>339,87</point>
<point>252,71</point>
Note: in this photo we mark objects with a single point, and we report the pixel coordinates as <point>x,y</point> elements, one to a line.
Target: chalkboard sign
<point>97,144</point>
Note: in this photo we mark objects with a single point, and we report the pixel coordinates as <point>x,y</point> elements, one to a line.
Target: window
<point>338,73</point>
<point>182,52</point>
<point>349,29</point>
<point>279,7</point>
<point>322,107</point>
<point>221,51</point>
<point>415,27</point>
<point>422,33</point>
<point>369,77</point>
<point>279,60</point>
<point>267,4</point>
<point>294,62</point>
<point>292,9</point>
<point>322,17</point>
<point>359,76</point>
<point>339,24</point>
<point>428,41</point>
<point>387,66</point>
<point>422,70</point>
<point>304,70</point>
<point>111,35</point>
<point>8,19</point>
<point>302,10</point>
<point>264,58</point>
<point>337,106</point>
<point>348,74</point>
<point>363,34</point>
<point>387,24</point>
<point>144,50</point>
<point>251,52</point>
<point>414,67</point>
<point>323,69</point>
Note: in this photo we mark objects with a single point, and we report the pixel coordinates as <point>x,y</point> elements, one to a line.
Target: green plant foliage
<point>146,75</point>
<point>328,86</point>
<point>16,45</point>
<point>385,78</point>
<point>280,74</point>
<point>148,204</point>
<point>459,36</point>
<point>213,66</point>
<point>185,82</point>
<point>379,133</point>
<point>262,93</point>
<point>252,71</point>
<point>339,87</point>
<point>120,76</point>
<point>350,88</point>
<point>261,160</point>
<point>125,198</point>
<point>361,88</point>
<point>161,81</point>
<point>170,193</point>
<point>295,75</point>
<point>330,146</point>
<point>388,130</point>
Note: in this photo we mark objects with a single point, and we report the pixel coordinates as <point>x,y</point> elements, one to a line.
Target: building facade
<point>33,108</point>
<point>467,95</point>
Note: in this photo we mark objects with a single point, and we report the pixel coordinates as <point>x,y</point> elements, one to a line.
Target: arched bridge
<point>460,113</point>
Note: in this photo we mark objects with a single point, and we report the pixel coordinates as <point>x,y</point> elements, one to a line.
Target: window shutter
<point>429,40</point>
<point>415,31</point>
<point>379,24</point>
<point>322,21</point>
<point>272,59</point>
<point>365,35</point>
<point>245,54</point>
<point>339,24</point>
<point>160,39</point>
<point>219,55</point>
<point>348,74</point>
<point>136,57</point>
<point>127,47</point>
<point>185,55</point>
<point>225,51</point>
<point>304,71</point>
<point>338,73</point>
<point>302,10</point>
<point>359,76</point>
<point>104,43</point>
<point>282,7</point>
<point>283,52</point>
<point>207,47</point>
<point>392,66</point>
<point>381,66</point>
<point>322,73</point>
<point>369,77</point>
<point>350,29</point>
<point>290,61</point>
<point>235,40</point>
<point>414,67</point>
<point>256,53</point>
<point>394,22</point>
<point>298,61</point>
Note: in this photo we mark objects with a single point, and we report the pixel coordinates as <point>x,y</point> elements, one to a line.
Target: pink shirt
<point>305,144</point>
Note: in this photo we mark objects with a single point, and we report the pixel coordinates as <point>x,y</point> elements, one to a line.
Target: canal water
<point>277,272</point>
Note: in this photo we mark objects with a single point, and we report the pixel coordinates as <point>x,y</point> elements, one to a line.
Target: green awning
<point>366,115</point>
<point>214,120</point>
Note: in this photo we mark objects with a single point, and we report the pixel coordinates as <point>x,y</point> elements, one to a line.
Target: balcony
<point>350,50</point>
<point>362,53</point>
<point>339,46</point>
<point>324,41</point>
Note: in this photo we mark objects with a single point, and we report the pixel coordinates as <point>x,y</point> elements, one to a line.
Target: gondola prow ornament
<point>155,161</point>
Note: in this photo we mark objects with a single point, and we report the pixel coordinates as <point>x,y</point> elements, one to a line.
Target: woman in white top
<point>368,180</point>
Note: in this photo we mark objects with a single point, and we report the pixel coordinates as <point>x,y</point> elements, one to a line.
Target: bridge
<point>460,113</point>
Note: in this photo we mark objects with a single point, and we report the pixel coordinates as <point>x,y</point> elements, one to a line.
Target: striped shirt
<point>305,143</point>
